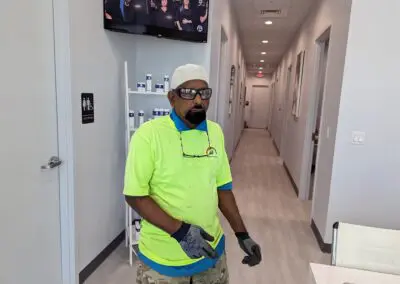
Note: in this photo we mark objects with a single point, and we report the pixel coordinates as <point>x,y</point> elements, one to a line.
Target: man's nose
<point>197,99</point>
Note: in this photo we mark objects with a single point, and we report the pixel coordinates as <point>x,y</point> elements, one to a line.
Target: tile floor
<point>274,216</point>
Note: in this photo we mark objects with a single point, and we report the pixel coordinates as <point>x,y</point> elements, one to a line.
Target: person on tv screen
<point>141,11</point>
<point>112,12</point>
<point>201,23</point>
<point>184,17</point>
<point>129,11</point>
<point>163,17</point>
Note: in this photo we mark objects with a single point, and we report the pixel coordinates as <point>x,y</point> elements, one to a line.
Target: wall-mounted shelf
<point>132,218</point>
<point>146,93</point>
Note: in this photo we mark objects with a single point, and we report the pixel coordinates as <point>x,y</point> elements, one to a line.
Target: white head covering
<point>186,73</point>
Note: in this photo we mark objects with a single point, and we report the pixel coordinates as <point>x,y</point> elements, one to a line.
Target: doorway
<point>271,107</point>
<point>286,109</point>
<point>34,177</point>
<point>322,50</point>
<point>260,107</point>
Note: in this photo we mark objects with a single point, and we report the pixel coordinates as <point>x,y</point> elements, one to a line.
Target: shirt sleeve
<point>139,164</point>
<point>224,175</point>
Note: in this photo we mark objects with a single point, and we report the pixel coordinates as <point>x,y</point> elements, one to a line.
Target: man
<point>177,175</point>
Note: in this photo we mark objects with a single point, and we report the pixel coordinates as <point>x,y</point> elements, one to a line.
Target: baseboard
<point>236,147</point>
<point>291,179</point>
<point>325,248</point>
<point>276,147</point>
<point>99,259</point>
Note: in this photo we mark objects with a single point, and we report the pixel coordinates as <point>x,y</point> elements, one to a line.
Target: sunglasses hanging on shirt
<point>209,153</point>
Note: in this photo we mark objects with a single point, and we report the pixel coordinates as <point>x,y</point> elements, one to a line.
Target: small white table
<point>326,274</point>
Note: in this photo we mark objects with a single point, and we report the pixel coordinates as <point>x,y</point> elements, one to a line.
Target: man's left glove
<point>251,248</point>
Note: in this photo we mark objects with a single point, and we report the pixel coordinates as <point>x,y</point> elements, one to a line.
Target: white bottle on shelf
<point>166,83</point>
<point>131,120</point>
<point>141,117</point>
<point>148,82</point>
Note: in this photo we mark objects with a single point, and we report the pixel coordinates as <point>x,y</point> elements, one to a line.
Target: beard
<point>196,116</point>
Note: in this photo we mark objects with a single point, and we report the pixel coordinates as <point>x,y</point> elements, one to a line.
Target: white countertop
<point>326,274</point>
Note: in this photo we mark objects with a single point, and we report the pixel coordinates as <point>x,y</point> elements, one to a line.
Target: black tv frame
<point>155,31</point>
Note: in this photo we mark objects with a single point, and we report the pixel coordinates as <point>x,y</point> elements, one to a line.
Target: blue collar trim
<point>181,126</point>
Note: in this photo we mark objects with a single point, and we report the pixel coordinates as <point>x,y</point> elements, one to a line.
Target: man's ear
<point>171,98</point>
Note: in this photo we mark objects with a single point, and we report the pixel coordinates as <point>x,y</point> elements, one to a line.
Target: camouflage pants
<point>216,275</point>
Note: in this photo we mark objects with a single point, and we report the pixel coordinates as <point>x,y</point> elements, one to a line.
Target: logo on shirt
<point>200,28</point>
<point>211,152</point>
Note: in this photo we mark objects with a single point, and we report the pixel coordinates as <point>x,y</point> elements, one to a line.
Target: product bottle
<point>166,83</point>
<point>159,112</point>
<point>148,82</point>
<point>131,120</point>
<point>154,113</point>
<point>141,117</point>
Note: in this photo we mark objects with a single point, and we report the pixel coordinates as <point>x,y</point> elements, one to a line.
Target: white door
<point>259,107</point>
<point>30,246</point>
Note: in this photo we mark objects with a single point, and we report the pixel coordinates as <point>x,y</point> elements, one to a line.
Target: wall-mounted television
<point>176,19</point>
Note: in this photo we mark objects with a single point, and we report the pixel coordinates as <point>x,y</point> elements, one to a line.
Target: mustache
<point>198,107</point>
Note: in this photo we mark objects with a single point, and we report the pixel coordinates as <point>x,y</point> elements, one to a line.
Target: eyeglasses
<point>190,94</point>
<point>209,153</point>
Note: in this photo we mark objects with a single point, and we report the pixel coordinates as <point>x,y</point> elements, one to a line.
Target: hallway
<point>274,217</point>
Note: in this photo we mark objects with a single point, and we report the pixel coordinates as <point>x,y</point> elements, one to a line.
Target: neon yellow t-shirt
<point>184,187</point>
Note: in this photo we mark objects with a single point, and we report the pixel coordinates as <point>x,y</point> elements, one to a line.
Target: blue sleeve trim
<point>187,270</point>
<point>227,186</point>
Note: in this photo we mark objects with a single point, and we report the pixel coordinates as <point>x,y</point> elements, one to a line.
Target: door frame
<point>65,139</point>
<point>304,191</point>
<point>221,79</point>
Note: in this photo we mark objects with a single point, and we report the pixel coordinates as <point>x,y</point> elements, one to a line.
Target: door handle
<point>315,137</point>
<point>54,162</point>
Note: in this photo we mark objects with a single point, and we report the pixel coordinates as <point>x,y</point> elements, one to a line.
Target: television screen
<point>177,19</point>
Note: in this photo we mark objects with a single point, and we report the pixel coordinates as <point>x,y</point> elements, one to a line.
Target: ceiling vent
<point>273,13</point>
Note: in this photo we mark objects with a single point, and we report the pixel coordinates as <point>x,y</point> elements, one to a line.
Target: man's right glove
<point>194,241</point>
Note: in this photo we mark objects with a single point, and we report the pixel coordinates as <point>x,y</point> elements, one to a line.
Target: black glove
<point>251,248</point>
<point>193,241</point>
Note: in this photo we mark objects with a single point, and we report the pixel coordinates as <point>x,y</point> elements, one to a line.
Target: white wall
<point>223,16</point>
<point>252,80</point>
<point>99,148</point>
<point>296,144</point>
<point>365,186</point>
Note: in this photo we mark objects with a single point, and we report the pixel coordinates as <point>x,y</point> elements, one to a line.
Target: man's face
<point>192,111</point>
<point>164,3</point>
<point>186,2</point>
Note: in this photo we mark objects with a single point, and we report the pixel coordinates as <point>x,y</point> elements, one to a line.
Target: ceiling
<point>279,35</point>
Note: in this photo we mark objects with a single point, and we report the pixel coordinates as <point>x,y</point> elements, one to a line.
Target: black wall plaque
<point>87,107</point>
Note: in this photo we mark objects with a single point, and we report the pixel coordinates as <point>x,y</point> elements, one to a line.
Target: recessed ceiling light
<point>260,68</point>
<point>268,22</point>
<point>262,60</point>
<point>263,53</point>
<point>138,6</point>
<point>265,41</point>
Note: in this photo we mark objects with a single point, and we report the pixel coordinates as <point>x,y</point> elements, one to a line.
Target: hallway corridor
<point>274,217</point>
